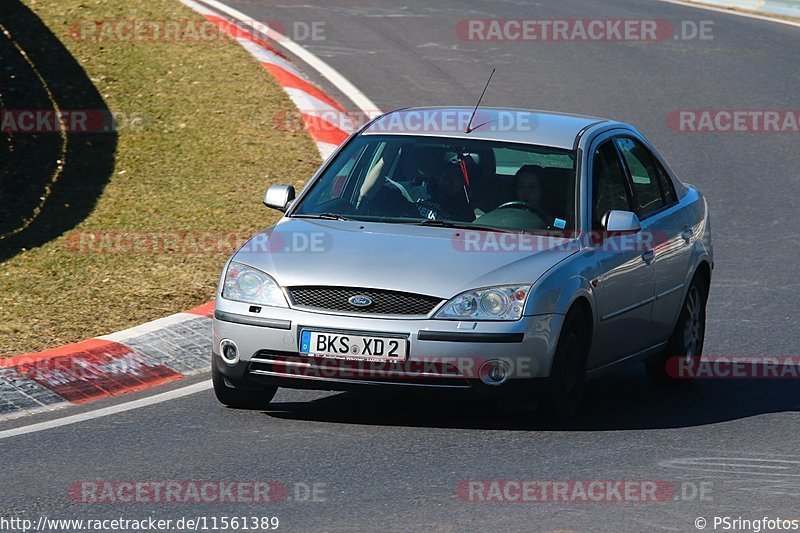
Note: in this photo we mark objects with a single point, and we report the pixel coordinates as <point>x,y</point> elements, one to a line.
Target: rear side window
<point>651,184</point>
<point>610,191</point>
<point>667,188</point>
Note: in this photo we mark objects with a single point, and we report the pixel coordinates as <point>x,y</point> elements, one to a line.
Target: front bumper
<point>442,354</point>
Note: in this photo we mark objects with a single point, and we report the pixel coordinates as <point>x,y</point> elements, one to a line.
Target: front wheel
<point>564,390</point>
<point>685,346</point>
<point>239,398</point>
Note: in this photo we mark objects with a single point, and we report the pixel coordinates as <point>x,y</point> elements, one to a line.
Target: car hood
<point>424,260</point>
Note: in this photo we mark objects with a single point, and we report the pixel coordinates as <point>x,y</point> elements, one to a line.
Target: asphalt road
<point>395,462</point>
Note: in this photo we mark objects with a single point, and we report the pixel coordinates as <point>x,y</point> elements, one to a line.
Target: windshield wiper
<point>326,216</point>
<point>461,225</point>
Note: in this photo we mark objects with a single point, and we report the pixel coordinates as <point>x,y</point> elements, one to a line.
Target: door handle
<point>687,234</point>
<point>648,256</point>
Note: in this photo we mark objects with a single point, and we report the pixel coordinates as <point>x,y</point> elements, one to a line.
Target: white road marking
<point>107,411</point>
<point>736,465</point>
<point>309,105</point>
<point>267,56</point>
<point>733,12</point>
<point>148,327</point>
<point>43,408</point>
<point>360,99</point>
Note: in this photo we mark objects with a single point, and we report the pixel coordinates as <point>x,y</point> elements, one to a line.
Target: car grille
<point>383,302</point>
<point>422,373</point>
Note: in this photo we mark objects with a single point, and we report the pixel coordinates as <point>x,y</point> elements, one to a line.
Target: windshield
<point>465,183</point>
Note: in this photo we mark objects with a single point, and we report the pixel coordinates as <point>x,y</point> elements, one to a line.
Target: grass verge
<point>199,160</point>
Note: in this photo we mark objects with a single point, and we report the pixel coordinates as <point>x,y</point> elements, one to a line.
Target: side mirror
<point>621,223</point>
<point>279,197</point>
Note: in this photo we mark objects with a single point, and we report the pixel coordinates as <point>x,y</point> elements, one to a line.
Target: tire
<point>687,339</point>
<point>562,395</point>
<point>240,398</point>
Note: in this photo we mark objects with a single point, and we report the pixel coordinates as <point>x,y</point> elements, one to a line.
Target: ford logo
<point>360,301</point>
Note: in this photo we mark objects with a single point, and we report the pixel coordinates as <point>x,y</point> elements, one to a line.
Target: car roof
<point>558,130</point>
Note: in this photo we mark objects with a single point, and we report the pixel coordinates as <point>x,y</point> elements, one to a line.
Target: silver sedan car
<point>511,253</point>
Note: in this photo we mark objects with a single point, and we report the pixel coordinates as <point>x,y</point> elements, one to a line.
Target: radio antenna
<point>472,117</point>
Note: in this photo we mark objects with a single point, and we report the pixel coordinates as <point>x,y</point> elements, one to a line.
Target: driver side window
<point>610,190</point>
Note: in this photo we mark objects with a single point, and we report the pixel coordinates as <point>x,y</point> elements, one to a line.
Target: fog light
<point>229,351</point>
<point>495,372</point>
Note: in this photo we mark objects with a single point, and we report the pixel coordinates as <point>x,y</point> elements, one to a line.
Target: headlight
<point>494,303</point>
<point>249,285</point>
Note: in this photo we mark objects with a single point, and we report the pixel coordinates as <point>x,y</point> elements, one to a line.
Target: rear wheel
<point>562,395</point>
<point>240,398</point>
<point>686,342</point>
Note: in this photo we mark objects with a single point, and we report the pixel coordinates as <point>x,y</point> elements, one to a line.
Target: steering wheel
<point>520,204</point>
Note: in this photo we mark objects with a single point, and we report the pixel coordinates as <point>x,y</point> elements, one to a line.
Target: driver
<point>529,188</point>
<point>529,185</point>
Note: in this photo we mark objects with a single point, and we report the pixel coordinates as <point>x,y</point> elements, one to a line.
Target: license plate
<point>348,346</point>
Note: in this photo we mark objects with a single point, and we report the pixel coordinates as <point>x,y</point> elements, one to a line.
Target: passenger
<point>448,197</point>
